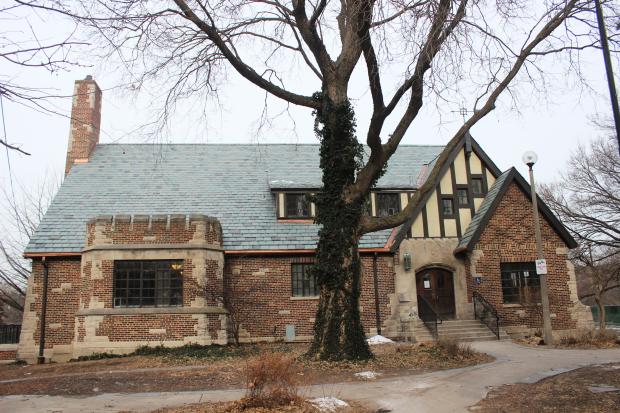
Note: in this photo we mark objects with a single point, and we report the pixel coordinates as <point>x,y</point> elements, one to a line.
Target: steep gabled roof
<point>232,183</point>
<point>469,143</point>
<point>492,200</point>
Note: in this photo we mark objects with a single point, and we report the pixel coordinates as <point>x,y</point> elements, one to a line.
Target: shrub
<point>99,356</point>
<point>272,380</point>
<point>454,349</point>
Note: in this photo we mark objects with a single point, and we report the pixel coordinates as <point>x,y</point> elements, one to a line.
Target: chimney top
<point>85,122</point>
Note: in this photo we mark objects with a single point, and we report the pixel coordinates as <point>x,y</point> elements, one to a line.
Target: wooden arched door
<point>436,285</point>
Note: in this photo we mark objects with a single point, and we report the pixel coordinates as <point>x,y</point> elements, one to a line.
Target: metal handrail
<point>428,315</point>
<point>485,312</point>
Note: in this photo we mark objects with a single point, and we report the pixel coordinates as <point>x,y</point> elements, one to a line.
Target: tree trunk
<point>602,324</point>
<point>338,331</point>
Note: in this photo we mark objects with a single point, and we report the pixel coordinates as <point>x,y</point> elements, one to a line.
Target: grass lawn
<point>589,389</point>
<point>213,367</point>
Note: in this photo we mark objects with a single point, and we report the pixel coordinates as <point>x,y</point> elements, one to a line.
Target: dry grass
<point>272,380</point>
<point>591,339</point>
<point>455,349</point>
<point>567,392</point>
<point>164,373</point>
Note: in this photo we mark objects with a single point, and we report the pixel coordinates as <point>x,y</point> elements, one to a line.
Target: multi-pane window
<point>462,196</point>
<point>447,207</point>
<point>148,283</point>
<point>297,205</point>
<point>477,186</point>
<point>303,283</point>
<point>520,283</point>
<point>387,204</point>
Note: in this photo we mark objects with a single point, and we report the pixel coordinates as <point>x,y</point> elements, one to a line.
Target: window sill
<point>521,305</point>
<point>314,297</point>
<point>151,310</point>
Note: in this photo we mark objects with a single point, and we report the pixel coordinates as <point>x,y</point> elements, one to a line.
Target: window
<point>304,284</point>
<point>297,206</point>
<point>477,186</point>
<point>148,283</point>
<point>463,196</point>
<point>520,283</point>
<point>447,207</point>
<point>388,204</point>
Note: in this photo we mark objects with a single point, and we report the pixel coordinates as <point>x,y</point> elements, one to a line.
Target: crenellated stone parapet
<point>195,229</point>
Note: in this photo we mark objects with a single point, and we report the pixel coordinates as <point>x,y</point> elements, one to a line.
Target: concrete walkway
<point>444,391</point>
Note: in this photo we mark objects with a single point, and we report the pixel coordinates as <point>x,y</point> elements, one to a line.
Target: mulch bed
<point>236,407</point>
<point>224,370</point>
<point>589,389</point>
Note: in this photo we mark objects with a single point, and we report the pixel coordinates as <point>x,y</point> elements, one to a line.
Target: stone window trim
<point>147,283</point>
<point>150,310</point>
<point>520,283</point>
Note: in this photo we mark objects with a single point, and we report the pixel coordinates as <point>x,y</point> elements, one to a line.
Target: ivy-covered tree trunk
<point>338,331</point>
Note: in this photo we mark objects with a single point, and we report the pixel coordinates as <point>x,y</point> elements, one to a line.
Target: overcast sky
<point>552,128</point>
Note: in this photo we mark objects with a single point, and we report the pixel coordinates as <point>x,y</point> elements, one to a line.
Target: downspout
<point>41,358</point>
<point>376,282</point>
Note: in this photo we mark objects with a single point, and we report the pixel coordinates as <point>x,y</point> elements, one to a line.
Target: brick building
<point>150,244</point>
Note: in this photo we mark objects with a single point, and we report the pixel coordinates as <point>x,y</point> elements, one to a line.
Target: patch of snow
<point>328,404</point>
<point>602,389</point>
<point>370,375</point>
<point>378,339</point>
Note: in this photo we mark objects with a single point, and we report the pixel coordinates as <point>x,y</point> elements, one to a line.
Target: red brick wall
<point>261,289</point>
<point>509,237</point>
<point>8,355</point>
<point>61,304</point>
<point>85,122</point>
<point>156,229</point>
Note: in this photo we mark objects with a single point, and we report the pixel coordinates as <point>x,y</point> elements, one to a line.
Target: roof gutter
<point>227,252</point>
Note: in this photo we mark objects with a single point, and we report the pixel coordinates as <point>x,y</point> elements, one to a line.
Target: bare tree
<point>601,267</point>
<point>21,218</point>
<point>411,50</point>
<point>25,47</point>
<point>587,200</point>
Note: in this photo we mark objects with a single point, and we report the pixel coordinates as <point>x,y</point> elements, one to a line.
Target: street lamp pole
<point>530,158</point>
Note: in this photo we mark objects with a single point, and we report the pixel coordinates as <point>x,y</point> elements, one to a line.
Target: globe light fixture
<point>530,158</point>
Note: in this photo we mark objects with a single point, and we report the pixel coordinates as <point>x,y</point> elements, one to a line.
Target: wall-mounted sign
<point>427,284</point>
<point>541,267</point>
<point>478,280</point>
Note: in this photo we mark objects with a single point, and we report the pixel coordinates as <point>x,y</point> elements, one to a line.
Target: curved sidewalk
<point>444,391</point>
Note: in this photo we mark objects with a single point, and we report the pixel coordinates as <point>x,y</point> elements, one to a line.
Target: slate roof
<point>230,182</point>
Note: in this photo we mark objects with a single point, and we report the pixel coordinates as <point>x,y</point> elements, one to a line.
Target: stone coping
<point>9,347</point>
<point>183,246</point>
<point>150,310</point>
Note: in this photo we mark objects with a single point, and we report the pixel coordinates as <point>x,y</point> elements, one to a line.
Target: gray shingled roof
<point>484,210</point>
<point>228,182</point>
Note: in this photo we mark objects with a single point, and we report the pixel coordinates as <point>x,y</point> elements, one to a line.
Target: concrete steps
<point>460,330</point>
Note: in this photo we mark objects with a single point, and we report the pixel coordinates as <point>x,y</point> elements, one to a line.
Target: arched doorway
<point>436,285</point>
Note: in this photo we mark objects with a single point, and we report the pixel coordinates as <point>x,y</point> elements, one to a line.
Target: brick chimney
<point>85,122</point>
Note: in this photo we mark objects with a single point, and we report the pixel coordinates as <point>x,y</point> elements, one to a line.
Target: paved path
<point>444,391</point>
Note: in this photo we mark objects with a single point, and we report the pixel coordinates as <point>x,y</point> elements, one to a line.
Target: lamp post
<point>530,158</point>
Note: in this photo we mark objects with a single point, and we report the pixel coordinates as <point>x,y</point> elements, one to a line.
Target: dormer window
<point>387,204</point>
<point>297,205</point>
